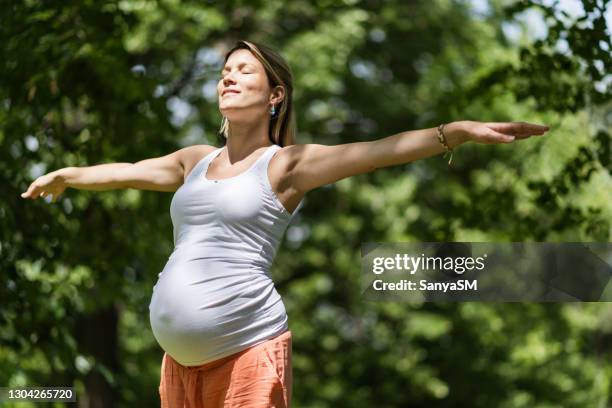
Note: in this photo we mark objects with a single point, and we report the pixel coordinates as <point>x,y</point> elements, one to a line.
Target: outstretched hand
<point>51,183</point>
<point>502,132</point>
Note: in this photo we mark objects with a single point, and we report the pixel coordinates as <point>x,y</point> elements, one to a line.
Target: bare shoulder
<point>282,162</point>
<point>191,155</point>
<point>286,157</point>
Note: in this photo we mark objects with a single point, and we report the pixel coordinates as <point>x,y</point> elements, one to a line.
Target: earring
<point>273,111</point>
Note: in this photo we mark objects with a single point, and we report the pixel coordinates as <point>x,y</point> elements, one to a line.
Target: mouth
<point>229,92</point>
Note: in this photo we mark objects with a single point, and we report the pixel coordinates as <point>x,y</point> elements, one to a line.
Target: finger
<point>32,192</point>
<point>36,191</point>
<point>40,193</point>
<point>26,194</point>
<point>530,129</point>
<point>513,128</point>
<point>518,128</point>
<point>498,137</point>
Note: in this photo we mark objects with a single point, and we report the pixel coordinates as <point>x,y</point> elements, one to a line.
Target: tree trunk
<point>97,336</point>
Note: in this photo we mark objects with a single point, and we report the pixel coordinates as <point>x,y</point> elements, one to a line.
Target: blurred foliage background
<point>90,82</point>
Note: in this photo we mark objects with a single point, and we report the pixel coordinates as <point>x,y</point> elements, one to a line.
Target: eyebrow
<point>242,64</point>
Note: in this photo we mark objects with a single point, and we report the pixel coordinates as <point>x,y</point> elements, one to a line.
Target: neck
<point>245,138</point>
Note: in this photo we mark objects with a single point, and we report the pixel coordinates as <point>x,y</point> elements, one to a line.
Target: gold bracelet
<point>442,140</point>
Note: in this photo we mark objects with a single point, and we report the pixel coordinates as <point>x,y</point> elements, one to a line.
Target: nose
<point>226,80</point>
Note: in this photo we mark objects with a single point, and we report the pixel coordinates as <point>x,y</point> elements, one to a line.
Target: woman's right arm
<point>164,173</point>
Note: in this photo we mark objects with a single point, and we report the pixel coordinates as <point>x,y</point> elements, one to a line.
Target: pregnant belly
<point>201,308</point>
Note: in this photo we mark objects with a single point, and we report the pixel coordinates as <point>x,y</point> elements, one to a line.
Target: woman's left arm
<point>315,165</point>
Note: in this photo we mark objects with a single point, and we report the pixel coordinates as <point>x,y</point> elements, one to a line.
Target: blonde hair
<point>283,127</point>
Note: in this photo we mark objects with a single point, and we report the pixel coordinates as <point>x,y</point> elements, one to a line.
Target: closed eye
<point>221,77</point>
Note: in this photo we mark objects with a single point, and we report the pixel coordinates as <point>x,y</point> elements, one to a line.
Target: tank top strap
<point>201,166</point>
<point>263,162</point>
<point>261,168</point>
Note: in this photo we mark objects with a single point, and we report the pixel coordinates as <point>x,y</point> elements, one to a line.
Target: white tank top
<point>215,296</point>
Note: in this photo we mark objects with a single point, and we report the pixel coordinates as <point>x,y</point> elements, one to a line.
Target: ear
<point>277,95</point>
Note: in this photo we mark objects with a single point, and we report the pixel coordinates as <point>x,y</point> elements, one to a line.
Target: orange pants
<point>258,377</point>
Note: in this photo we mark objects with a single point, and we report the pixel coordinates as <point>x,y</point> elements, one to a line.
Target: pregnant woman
<point>214,310</point>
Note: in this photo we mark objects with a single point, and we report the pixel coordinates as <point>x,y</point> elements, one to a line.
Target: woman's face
<point>244,93</point>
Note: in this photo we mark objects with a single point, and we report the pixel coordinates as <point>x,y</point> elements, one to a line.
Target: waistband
<point>216,363</point>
